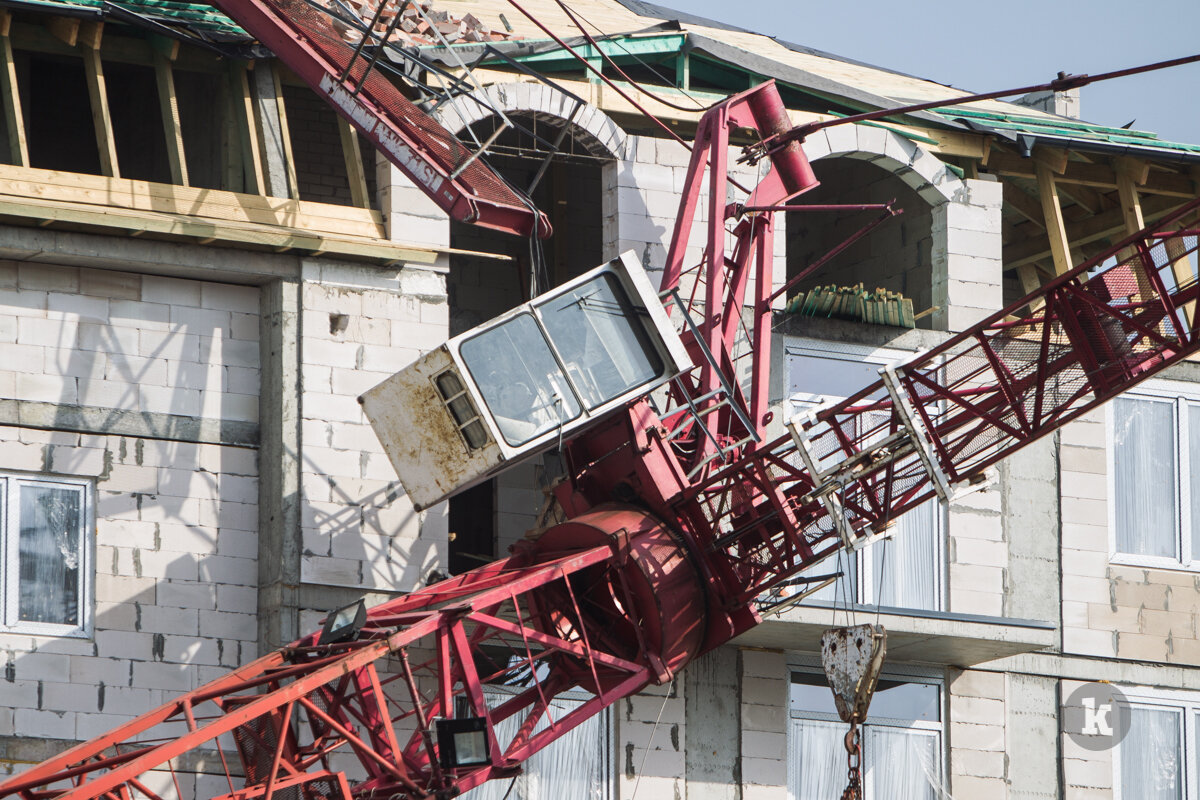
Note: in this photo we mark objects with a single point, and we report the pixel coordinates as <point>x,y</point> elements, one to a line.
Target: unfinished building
<point>204,267</point>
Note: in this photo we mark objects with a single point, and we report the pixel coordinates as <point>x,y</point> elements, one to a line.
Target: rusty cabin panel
<point>422,438</point>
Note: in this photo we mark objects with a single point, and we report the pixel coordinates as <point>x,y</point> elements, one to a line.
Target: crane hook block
<point>852,658</point>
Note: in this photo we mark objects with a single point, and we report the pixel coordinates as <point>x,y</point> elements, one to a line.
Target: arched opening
<point>568,184</point>
<point>896,256</point>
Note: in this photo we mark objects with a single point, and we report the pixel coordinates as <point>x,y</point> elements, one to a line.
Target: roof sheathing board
<point>612,17</point>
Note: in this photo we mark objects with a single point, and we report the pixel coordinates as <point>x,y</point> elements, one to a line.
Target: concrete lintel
<point>943,639</point>
<point>914,339</point>
<point>145,256</point>
<point>121,422</point>
<point>1089,668</point>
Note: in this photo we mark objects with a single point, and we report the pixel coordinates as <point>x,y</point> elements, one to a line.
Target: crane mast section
<point>935,423</point>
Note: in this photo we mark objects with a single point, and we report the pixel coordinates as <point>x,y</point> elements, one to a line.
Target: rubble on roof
<point>419,23</point>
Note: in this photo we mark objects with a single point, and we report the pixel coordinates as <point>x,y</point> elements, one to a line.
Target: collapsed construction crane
<point>676,512</point>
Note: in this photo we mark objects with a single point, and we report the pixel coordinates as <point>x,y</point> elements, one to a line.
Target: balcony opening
<point>490,517</point>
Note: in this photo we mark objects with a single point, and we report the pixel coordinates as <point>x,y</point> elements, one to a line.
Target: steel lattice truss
<point>707,518</point>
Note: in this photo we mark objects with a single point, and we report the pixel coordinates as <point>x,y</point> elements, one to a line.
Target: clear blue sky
<point>980,46</point>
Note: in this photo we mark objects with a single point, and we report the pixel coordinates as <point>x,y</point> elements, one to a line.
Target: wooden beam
<point>1089,200</point>
<point>231,154</point>
<point>164,46</point>
<point>1025,205</point>
<point>1099,176</point>
<point>1138,170</point>
<point>14,117</point>
<point>89,45</point>
<point>1130,175</point>
<point>1109,225</point>
<point>1056,227</point>
<point>285,136</point>
<point>1055,158</point>
<point>65,29</point>
<point>91,34</point>
<point>168,102</point>
<point>248,130</point>
<point>1181,270</point>
<point>352,153</point>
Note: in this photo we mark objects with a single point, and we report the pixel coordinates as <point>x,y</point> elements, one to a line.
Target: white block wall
<point>139,343</point>
<point>176,543</point>
<point>359,530</point>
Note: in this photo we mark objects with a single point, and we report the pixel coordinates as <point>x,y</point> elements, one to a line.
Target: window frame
<point>866,581</point>
<point>1187,705</point>
<point>1179,395</point>
<point>10,484</point>
<point>895,672</point>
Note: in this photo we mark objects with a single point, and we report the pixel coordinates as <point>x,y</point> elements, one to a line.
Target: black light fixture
<point>344,624</point>
<point>462,742</point>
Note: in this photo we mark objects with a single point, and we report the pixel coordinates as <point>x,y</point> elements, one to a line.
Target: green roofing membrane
<point>201,17</point>
<point>1066,128</point>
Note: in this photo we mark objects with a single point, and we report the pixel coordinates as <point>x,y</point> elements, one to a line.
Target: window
<point>902,740</point>
<point>576,765</point>
<point>1153,453</point>
<point>519,379</point>
<point>46,530</point>
<point>1151,762</point>
<point>904,570</point>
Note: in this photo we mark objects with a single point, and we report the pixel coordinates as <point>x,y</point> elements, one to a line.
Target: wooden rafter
<point>1024,204</point>
<point>14,118</point>
<point>354,164</point>
<point>247,130</point>
<point>89,36</point>
<point>1100,176</point>
<point>1055,225</point>
<point>285,136</point>
<point>1110,224</point>
<point>168,102</point>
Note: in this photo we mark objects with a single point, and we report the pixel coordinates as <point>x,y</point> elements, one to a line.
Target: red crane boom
<point>676,522</point>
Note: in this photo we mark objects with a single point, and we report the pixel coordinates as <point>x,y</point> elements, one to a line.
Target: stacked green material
<point>879,307</point>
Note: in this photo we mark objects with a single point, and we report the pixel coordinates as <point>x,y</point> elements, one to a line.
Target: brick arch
<point>924,172</point>
<point>592,128</point>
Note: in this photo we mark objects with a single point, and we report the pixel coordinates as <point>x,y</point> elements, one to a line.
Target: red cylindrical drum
<point>648,605</point>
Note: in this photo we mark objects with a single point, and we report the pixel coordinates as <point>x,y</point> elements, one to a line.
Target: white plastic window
<point>904,570</point>
<point>1157,758</point>
<point>45,528</point>
<point>1154,476</point>
<point>902,740</point>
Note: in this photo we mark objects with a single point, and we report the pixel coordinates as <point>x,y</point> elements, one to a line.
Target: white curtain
<point>1150,755</point>
<point>904,567</point>
<point>816,760</point>
<point>1144,461</point>
<point>901,764</point>
<point>1193,464</point>
<point>573,766</point>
